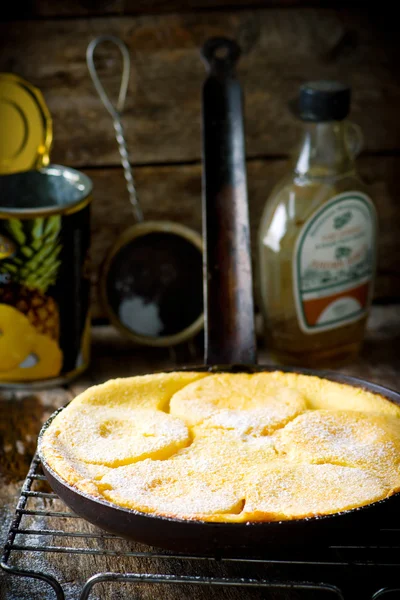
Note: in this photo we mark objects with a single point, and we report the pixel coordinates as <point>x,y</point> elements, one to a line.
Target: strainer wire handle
<point>116,112</point>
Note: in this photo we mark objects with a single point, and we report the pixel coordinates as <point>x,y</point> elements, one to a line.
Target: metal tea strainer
<point>151,282</point>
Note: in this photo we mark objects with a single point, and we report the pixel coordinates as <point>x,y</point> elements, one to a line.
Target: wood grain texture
<point>113,356</point>
<point>174,193</point>
<point>83,8</point>
<point>281,49</point>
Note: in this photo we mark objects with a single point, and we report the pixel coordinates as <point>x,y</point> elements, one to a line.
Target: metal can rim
<point>43,384</point>
<point>71,207</point>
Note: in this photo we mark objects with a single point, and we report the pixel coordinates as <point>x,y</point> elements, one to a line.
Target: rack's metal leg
<point>14,530</point>
<point>387,592</point>
<point>33,575</point>
<point>206,581</point>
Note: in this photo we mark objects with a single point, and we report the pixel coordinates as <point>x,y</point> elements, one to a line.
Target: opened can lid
<point>25,125</point>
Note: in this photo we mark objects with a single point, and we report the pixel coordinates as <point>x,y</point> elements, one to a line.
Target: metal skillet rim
<point>331,375</point>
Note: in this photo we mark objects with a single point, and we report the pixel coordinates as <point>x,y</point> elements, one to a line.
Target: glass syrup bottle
<point>317,240</point>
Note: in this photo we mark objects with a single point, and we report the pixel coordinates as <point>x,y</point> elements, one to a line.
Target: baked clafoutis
<point>267,446</point>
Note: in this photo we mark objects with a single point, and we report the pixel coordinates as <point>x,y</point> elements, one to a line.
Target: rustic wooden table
<point>21,416</point>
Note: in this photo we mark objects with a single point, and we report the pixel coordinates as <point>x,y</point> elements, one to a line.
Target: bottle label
<point>334,263</point>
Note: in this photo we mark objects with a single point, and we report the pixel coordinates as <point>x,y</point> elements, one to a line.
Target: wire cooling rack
<point>351,571</point>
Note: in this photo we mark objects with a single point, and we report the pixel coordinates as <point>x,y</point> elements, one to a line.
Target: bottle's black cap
<point>323,101</point>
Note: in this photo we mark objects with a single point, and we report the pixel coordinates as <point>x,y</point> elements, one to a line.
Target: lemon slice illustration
<point>43,360</point>
<point>16,337</point>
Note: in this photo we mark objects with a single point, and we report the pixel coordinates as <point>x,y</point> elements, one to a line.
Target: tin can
<point>44,248</point>
<point>44,276</point>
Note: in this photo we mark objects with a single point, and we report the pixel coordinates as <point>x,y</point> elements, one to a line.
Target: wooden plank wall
<point>284,44</point>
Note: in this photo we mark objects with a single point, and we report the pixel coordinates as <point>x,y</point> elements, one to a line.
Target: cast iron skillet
<point>230,343</point>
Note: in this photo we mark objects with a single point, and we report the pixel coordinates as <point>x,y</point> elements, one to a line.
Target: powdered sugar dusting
<point>259,421</point>
<point>229,441</point>
<point>114,436</point>
<point>173,489</point>
<point>240,392</point>
<point>303,490</point>
<point>348,438</point>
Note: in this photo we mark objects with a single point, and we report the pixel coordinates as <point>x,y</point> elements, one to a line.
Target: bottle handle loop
<point>354,138</point>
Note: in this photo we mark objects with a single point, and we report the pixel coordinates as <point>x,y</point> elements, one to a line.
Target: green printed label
<point>334,263</point>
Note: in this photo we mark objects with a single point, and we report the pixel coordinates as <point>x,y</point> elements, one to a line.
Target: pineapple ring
<point>290,490</point>
<point>116,436</point>
<point>16,338</point>
<point>46,357</point>
<point>168,488</point>
<point>348,438</point>
<point>250,404</point>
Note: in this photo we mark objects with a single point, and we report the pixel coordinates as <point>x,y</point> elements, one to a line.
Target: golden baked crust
<point>228,447</point>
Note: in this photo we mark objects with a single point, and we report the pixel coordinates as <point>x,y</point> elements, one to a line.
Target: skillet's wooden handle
<point>228,290</point>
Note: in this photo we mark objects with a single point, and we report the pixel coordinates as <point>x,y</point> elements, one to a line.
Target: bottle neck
<point>324,150</point>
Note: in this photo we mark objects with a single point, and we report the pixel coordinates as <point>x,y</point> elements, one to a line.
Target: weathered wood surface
<point>83,8</point>
<point>22,414</point>
<point>281,49</point>
<point>174,193</point>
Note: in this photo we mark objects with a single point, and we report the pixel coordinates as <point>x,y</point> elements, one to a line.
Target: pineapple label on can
<point>44,296</point>
<point>334,263</point>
